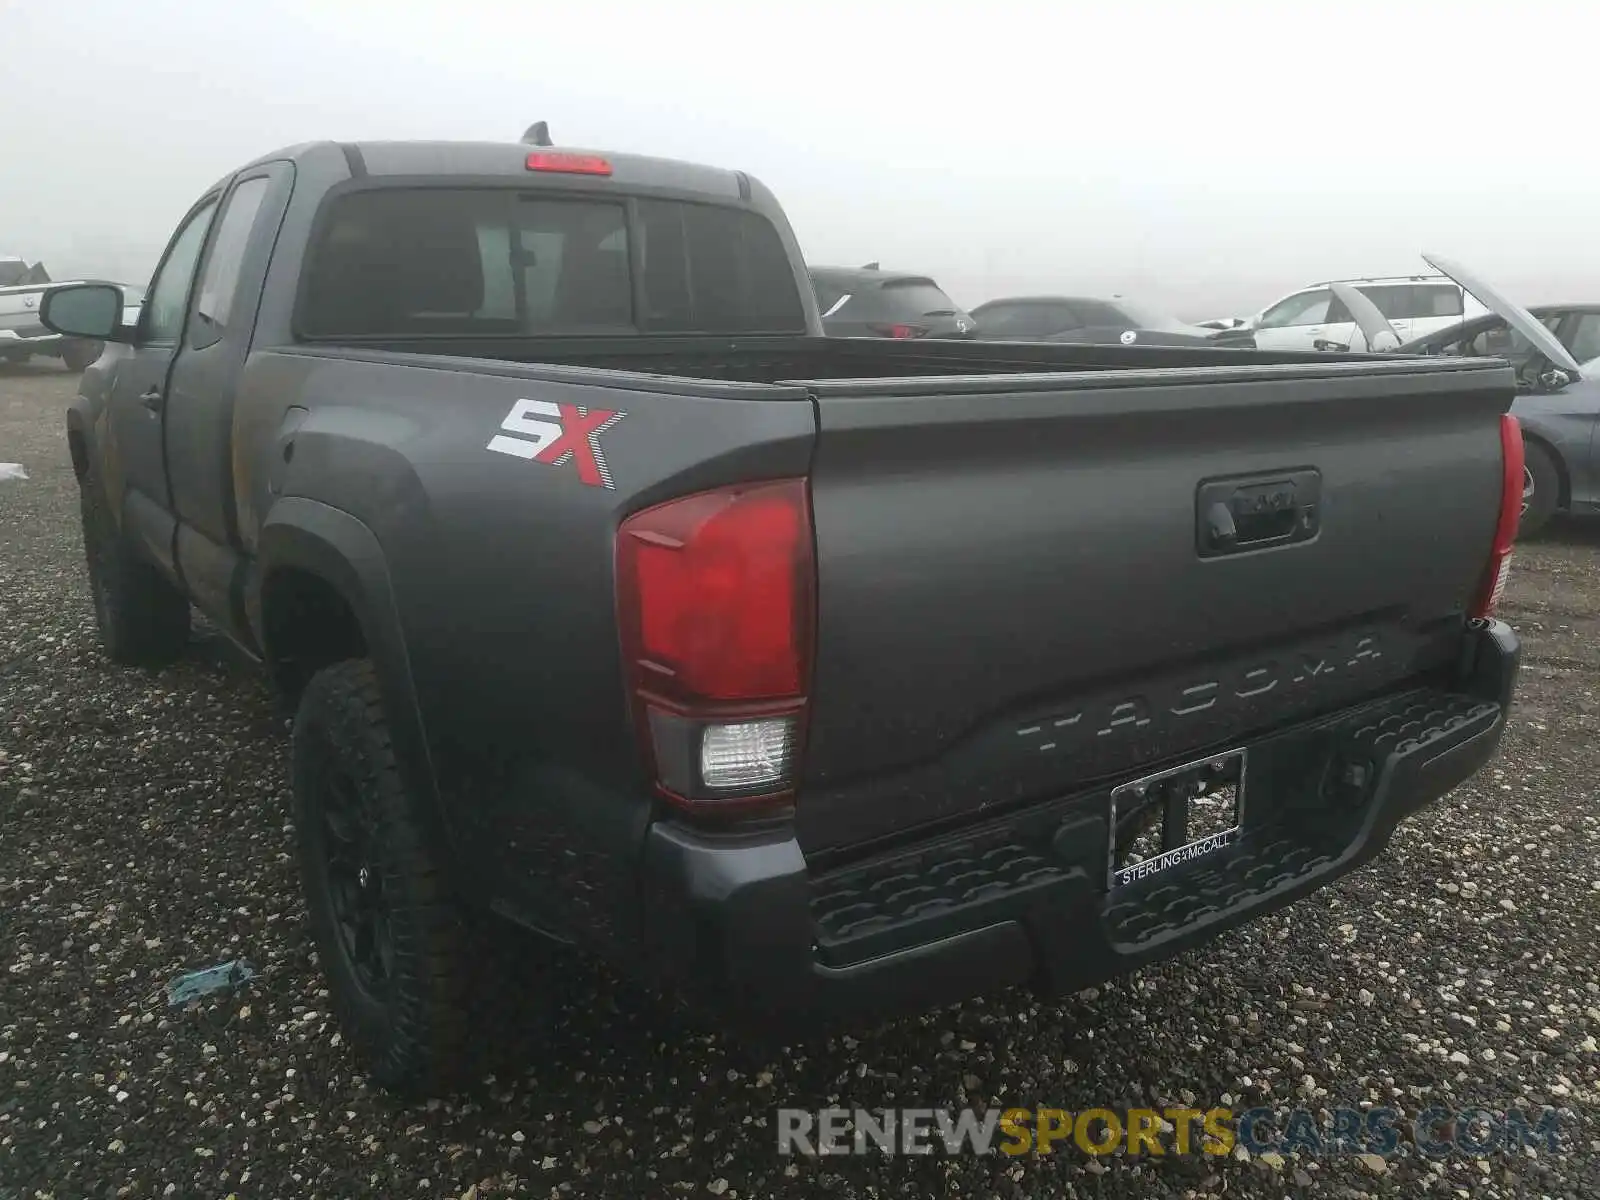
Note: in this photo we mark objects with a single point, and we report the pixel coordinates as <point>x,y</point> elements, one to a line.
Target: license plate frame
<point>1211,789</point>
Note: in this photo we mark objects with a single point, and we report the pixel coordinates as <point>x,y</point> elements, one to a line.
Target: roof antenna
<point>538,134</point>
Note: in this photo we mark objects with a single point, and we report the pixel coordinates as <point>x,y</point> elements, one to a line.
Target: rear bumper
<point>29,340</point>
<point>740,922</point>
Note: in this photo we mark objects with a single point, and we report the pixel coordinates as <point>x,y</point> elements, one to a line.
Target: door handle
<point>151,399</point>
<point>1253,512</point>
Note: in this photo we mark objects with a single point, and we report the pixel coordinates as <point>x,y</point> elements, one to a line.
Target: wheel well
<point>307,624</point>
<point>79,449</point>
<point>1564,498</point>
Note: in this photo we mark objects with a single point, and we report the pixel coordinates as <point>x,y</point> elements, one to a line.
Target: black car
<point>869,302</point>
<point>1093,320</point>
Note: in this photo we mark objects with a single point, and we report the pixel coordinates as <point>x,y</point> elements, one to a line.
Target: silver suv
<point>1414,305</point>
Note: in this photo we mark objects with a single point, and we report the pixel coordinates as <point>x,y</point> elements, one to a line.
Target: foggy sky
<point>1207,157</point>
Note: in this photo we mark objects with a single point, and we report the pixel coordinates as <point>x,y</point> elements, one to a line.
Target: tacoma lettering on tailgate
<point>1286,675</point>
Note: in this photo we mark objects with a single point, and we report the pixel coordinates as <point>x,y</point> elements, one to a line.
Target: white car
<point>22,335</point>
<point>1414,306</point>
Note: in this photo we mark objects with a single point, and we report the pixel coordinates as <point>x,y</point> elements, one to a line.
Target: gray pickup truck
<point>812,678</point>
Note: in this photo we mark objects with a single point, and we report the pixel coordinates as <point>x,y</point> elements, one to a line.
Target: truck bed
<point>783,359</point>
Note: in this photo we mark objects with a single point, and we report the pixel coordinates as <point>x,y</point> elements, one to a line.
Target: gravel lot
<point>142,834</point>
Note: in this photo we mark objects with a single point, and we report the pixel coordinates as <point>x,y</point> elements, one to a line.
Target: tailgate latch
<point>1253,512</point>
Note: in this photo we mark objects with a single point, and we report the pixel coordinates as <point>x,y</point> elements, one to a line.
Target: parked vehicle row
<point>871,302</point>
<point>1092,320</point>
<point>1434,314</point>
<point>815,678</point>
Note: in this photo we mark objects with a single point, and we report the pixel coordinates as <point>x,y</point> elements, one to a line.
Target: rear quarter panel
<point>502,579</point>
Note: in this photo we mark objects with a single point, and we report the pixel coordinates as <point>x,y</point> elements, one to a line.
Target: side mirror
<point>84,310</point>
<point>1554,379</point>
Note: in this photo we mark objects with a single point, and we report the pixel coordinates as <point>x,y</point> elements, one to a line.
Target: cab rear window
<point>409,262</point>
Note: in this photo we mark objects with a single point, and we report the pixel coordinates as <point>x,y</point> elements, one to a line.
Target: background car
<point>16,272</point>
<point>1576,326</point>
<point>1556,353</point>
<point>870,302</point>
<point>22,335</point>
<point>1414,305</point>
<point>1090,319</point>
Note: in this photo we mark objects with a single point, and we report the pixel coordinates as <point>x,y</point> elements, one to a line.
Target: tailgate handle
<point>1253,512</point>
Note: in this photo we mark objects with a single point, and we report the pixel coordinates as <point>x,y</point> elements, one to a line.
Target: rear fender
<point>333,545</point>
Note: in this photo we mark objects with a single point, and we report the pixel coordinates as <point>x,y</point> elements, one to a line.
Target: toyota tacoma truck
<point>816,679</point>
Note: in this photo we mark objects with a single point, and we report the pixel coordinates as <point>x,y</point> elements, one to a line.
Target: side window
<point>1097,313</point>
<point>1438,300</point>
<point>1304,308</point>
<point>536,256</point>
<point>169,291</point>
<point>1416,301</point>
<point>1056,318</point>
<point>1498,341</point>
<point>1395,303</point>
<point>573,255</point>
<point>220,279</point>
<point>1584,342</point>
<point>499,290</point>
<point>540,258</point>
<point>1027,320</point>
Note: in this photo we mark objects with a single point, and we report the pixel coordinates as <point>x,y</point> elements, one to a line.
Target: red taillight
<point>715,600</point>
<point>1498,568</point>
<point>902,331</point>
<point>568,164</point>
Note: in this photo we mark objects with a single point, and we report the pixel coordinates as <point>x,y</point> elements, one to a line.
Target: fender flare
<point>337,547</point>
<point>80,431</point>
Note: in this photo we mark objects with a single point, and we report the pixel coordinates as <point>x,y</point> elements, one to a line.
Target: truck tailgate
<point>1026,585</point>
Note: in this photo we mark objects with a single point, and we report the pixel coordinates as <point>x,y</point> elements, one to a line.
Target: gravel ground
<point>142,834</point>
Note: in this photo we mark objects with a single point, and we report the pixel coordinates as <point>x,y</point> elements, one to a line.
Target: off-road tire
<point>411,1030</point>
<point>143,619</point>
